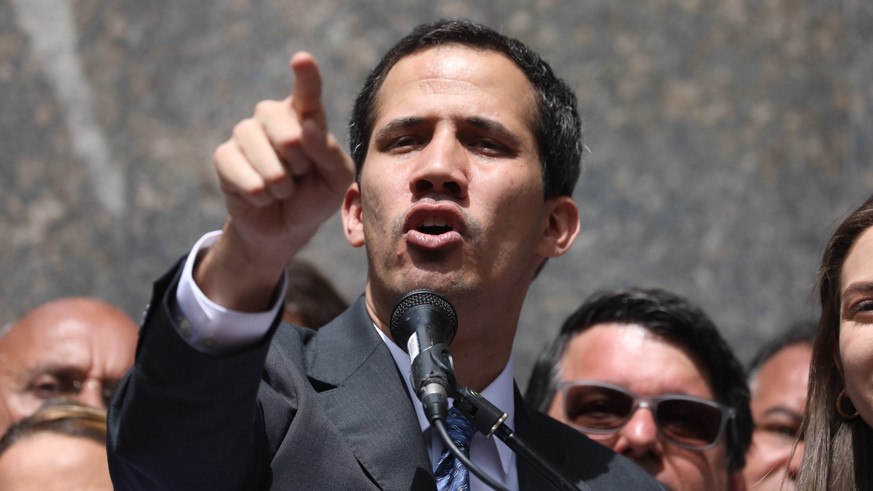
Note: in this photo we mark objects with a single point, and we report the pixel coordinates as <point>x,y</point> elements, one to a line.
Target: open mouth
<point>434,226</point>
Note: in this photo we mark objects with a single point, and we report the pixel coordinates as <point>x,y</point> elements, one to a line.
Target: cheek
<point>760,455</point>
<point>372,214</point>
<point>17,402</point>
<point>712,468</point>
<point>856,353</point>
<point>556,410</point>
<point>21,406</point>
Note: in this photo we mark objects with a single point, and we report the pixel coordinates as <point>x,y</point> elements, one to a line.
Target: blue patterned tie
<point>450,473</point>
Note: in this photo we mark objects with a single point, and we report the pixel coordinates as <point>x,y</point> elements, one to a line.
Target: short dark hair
<point>672,318</point>
<point>557,128</point>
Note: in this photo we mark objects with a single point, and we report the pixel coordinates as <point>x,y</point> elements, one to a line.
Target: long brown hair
<point>838,451</point>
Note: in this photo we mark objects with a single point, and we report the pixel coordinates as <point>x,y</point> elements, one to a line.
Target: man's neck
<point>483,343</point>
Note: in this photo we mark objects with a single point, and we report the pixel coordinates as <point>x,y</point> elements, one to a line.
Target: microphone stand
<point>488,420</point>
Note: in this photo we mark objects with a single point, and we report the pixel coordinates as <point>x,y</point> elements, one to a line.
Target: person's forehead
<point>30,335</point>
<point>786,370</point>
<point>632,356</point>
<point>858,265</point>
<point>460,61</point>
<point>62,345</point>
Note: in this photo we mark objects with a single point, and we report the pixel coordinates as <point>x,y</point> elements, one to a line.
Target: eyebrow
<point>497,128</point>
<point>858,287</point>
<point>55,368</point>
<point>398,124</point>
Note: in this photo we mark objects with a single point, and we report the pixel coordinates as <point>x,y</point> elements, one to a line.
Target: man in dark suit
<point>465,153</point>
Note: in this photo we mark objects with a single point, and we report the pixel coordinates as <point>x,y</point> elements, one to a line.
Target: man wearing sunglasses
<point>647,374</point>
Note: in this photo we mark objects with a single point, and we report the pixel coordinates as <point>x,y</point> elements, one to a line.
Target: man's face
<point>778,401</point>
<point>54,462</point>
<point>629,356</point>
<point>451,194</point>
<point>76,349</point>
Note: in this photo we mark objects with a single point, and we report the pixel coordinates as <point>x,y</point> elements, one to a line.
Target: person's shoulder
<point>586,460</point>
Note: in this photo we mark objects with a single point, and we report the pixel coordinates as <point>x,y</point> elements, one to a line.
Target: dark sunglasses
<point>600,408</point>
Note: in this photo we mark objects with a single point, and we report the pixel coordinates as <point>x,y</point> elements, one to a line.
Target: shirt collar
<point>500,392</point>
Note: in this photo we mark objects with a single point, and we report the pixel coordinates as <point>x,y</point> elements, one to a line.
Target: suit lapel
<point>364,395</point>
<point>539,442</point>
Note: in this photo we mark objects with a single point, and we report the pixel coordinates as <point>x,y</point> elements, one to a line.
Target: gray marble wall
<point>726,139</point>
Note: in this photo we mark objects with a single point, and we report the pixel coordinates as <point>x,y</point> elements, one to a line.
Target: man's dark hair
<point>798,333</point>
<point>673,319</point>
<point>557,127</point>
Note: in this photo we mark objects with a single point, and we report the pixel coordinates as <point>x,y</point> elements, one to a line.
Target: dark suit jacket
<point>300,410</point>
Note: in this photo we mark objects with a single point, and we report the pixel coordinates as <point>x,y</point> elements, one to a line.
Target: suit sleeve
<point>183,419</point>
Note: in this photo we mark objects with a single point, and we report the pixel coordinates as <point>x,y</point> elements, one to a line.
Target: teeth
<point>435,222</point>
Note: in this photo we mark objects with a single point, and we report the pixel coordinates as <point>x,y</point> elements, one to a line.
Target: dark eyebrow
<point>859,287</point>
<point>398,124</point>
<point>496,128</point>
<point>57,370</point>
<point>855,289</point>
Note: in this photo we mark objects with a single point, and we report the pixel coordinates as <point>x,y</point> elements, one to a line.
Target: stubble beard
<point>401,275</point>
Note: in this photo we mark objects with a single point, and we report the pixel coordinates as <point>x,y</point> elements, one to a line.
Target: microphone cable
<point>440,426</point>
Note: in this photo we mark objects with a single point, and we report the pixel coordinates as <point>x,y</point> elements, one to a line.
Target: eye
<point>858,309</point>
<point>784,431</point>
<point>403,141</point>
<point>594,411</point>
<point>856,302</point>
<point>403,144</point>
<point>489,147</point>
<point>46,387</point>
<point>862,306</point>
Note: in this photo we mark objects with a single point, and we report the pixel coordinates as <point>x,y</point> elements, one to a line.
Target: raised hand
<point>283,174</point>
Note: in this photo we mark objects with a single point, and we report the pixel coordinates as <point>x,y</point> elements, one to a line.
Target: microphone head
<point>423,308</point>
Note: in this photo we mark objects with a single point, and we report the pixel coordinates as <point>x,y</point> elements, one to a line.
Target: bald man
<point>72,348</point>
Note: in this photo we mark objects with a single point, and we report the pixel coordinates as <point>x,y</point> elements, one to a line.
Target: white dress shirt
<point>211,328</point>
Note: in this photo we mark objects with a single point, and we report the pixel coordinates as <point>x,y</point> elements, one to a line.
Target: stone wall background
<point>726,139</point>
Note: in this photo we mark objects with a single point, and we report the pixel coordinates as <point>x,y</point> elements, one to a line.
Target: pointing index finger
<point>306,97</point>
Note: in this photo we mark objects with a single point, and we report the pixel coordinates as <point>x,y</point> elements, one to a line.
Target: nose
<point>639,436</point>
<point>443,168</point>
<point>92,394</point>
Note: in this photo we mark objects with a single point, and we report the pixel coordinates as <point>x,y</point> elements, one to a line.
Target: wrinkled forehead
<point>31,346</point>
<point>43,333</point>
<point>72,341</point>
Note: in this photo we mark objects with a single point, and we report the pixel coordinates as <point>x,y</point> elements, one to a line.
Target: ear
<point>353,226</point>
<point>561,226</point>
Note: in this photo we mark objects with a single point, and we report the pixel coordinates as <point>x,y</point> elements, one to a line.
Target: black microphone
<point>423,324</point>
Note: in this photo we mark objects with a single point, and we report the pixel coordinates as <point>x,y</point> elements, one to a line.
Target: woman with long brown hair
<point>838,452</point>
